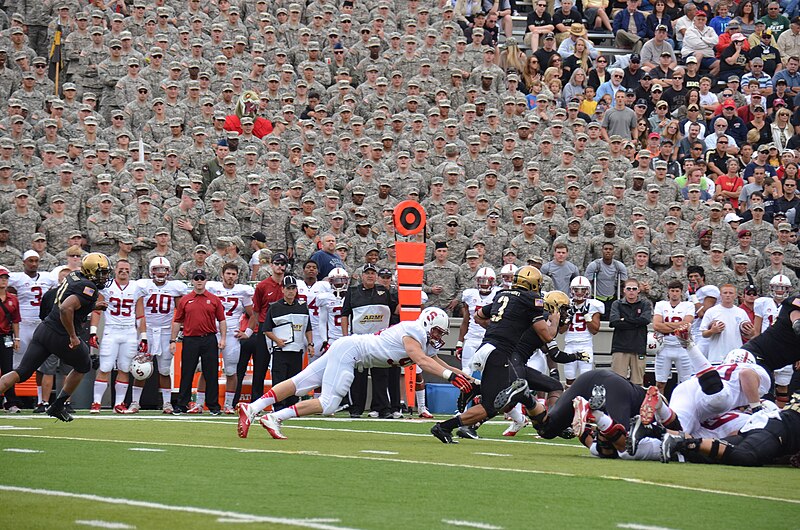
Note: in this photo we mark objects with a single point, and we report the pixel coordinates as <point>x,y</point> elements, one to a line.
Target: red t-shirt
<point>12,304</point>
<point>726,183</point>
<point>267,291</point>
<point>199,313</point>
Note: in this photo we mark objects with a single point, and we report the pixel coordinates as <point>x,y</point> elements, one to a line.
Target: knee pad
<point>710,381</point>
<point>329,404</point>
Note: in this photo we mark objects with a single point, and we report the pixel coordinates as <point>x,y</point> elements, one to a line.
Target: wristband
<point>459,344</point>
<point>757,404</point>
<point>143,336</point>
<point>447,374</point>
<point>172,341</point>
<point>248,332</point>
<point>92,330</point>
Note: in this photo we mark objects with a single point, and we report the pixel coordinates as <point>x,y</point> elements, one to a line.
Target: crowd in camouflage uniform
<point>372,103</point>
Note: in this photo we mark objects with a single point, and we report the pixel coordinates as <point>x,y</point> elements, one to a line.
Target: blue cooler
<point>441,398</point>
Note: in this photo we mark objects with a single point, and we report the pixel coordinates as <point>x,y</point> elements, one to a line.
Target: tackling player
<point>76,298</point>
<point>413,342</point>
<point>584,324</point>
<point>669,316</point>
<point>766,309</point>
<point>118,346</point>
<point>160,298</point>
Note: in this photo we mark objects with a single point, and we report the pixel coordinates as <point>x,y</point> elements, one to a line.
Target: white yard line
<point>379,452</point>
<point>305,523</point>
<point>491,454</point>
<point>17,450</point>
<point>407,461</point>
<point>15,428</point>
<point>636,526</point>
<point>103,524</point>
<point>472,524</point>
<point>146,449</point>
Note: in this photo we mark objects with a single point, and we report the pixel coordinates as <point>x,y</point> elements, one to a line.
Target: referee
<point>288,328</point>
<point>199,311</point>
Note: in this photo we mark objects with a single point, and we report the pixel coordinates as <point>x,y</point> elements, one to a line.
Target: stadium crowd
<point>223,132</point>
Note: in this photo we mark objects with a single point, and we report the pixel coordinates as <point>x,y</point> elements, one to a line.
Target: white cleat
<point>581,415</point>
<point>272,426</point>
<point>134,408</point>
<point>514,428</point>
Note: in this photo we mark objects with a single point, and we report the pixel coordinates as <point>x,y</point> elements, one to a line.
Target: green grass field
<point>150,471</point>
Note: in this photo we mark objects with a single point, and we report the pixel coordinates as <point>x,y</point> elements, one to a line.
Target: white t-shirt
<point>720,344</point>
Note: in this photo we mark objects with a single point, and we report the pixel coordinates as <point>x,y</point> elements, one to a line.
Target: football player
<point>330,309</point>
<point>470,334</point>
<point>76,298</point>
<point>507,275</point>
<point>237,300</point>
<point>584,324</point>
<point>30,285</point>
<point>412,342</point>
<point>668,316</point>
<point>703,296</point>
<point>314,295</point>
<point>766,309</point>
<point>161,297</point>
<point>123,320</point>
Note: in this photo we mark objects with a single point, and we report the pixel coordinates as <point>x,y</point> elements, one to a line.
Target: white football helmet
<point>339,280</point>
<point>160,269</point>
<point>580,288</point>
<point>436,324</point>
<point>739,356</point>
<point>655,341</point>
<point>141,369</point>
<point>484,280</point>
<point>507,274</point>
<point>779,287</point>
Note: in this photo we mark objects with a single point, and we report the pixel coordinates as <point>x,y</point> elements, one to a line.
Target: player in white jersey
<point>30,285</point>
<point>668,316</point>
<point>161,297</point>
<point>470,334</point>
<point>766,309</point>
<point>582,327</point>
<point>507,275</point>
<point>330,310</point>
<point>704,297</point>
<point>406,343</point>
<point>237,300</point>
<point>118,345</point>
<point>316,293</point>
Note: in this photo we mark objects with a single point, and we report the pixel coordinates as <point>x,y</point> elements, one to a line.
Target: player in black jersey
<point>779,345</point>
<point>762,440</point>
<point>76,298</point>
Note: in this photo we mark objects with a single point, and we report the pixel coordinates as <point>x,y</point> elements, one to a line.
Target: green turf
<point>321,472</point>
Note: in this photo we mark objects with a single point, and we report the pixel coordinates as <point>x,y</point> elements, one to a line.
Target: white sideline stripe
<point>491,454</point>
<point>17,450</point>
<point>471,524</point>
<point>146,449</point>
<point>379,452</point>
<point>635,526</point>
<point>307,523</point>
<point>242,520</point>
<point>102,524</point>
<point>408,461</point>
<point>14,428</point>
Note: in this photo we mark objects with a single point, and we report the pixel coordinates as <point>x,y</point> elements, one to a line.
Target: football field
<point>154,471</point>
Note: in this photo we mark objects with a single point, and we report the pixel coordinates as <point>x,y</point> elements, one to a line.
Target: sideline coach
<point>199,312</point>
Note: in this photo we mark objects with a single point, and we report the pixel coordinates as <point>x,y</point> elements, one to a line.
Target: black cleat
<point>68,408</point>
<point>671,445</point>
<point>59,412</point>
<point>636,432</point>
<point>506,396</point>
<point>442,434</point>
<point>468,433</point>
<point>598,399</point>
<point>41,408</point>
<point>567,434</point>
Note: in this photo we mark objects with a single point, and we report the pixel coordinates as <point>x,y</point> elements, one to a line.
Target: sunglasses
<point>631,288</point>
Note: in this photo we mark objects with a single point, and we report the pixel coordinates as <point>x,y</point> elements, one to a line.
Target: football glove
<point>459,350</point>
<point>583,356</point>
<point>142,346</point>
<point>95,361</point>
<point>324,347</point>
<point>469,398</point>
<point>93,342</point>
<point>460,382</point>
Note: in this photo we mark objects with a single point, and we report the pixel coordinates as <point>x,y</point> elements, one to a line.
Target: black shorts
<point>46,342</point>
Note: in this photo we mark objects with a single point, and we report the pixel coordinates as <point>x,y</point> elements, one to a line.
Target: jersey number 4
<point>159,303</point>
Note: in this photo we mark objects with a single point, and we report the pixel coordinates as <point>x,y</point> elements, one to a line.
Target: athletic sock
<point>419,395</point>
<point>38,395</point>
<point>663,412</point>
<point>166,395</point>
<point>229,399</point>
<point>201,399</point>
<point>137,394</point>
<point>452,423</point>
<point>263,402</point>
<point>698,360</point>
<point>120,389</point>
<point>603,420</point>
<point>285,414</point>
<point>99,390</point>
<point>516,414</point>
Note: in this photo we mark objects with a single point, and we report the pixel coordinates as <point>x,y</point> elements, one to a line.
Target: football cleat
<point>671,445</point>
<point>468,433</point>
<point>374,414</point>
<point>581,414</point>
<point>514,428</point>
<point>120,408</point>
<point>442,434</point>
<point>95,408</point>
<point>598,399</point>
<point>167,408</point>
<point>41,408</point>
<point>424,413</point>
<point>647,411</point>
<point>194,408</point>
<point>68,408</point>
<point>59,412</point>
<point>245,419</point>
<point>636,432</point>
<point>229,410</point>
<point>397,415</point>
<point>13,409</point>
<point>134,408</point>
<point>567,434</point>
<point>506,396</point>
<point>272,426</point>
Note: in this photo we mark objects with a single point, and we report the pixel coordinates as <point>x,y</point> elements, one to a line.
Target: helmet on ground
<point>159,268</point>
<point>97,269</point>
<point>436,324</point>
<point>507,274</point>
<point>739,356</point>
<point>527,278</point>
<point>484,280</point>
<point>141,368</point>
<point>339,280</point>
<point>655,341</point>
<point>554,301</point>
<point>779,287</point>
<point>580,288</point>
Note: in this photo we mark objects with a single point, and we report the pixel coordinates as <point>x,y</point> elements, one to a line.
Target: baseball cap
<point>198,274</point>
<point>288,281</point>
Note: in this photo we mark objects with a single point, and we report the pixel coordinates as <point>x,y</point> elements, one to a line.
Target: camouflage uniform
<point>183,241</point>
<point>444,275</point>
<point>103,230</point>
<point>273,221</point>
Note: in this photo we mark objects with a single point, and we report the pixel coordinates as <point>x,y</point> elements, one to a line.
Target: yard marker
<point>146,449</point>
<point>103,524</point>
<point>490,454</point>
<point>306,523</point>
<point>380,452</point>
<point>635,526</point>
<point>471,524</point>
<point>15,450</point>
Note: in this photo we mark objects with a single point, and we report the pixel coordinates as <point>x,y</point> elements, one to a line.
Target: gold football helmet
<point>97,269</point>
<point>527,278</point>
<point>555,301</point>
